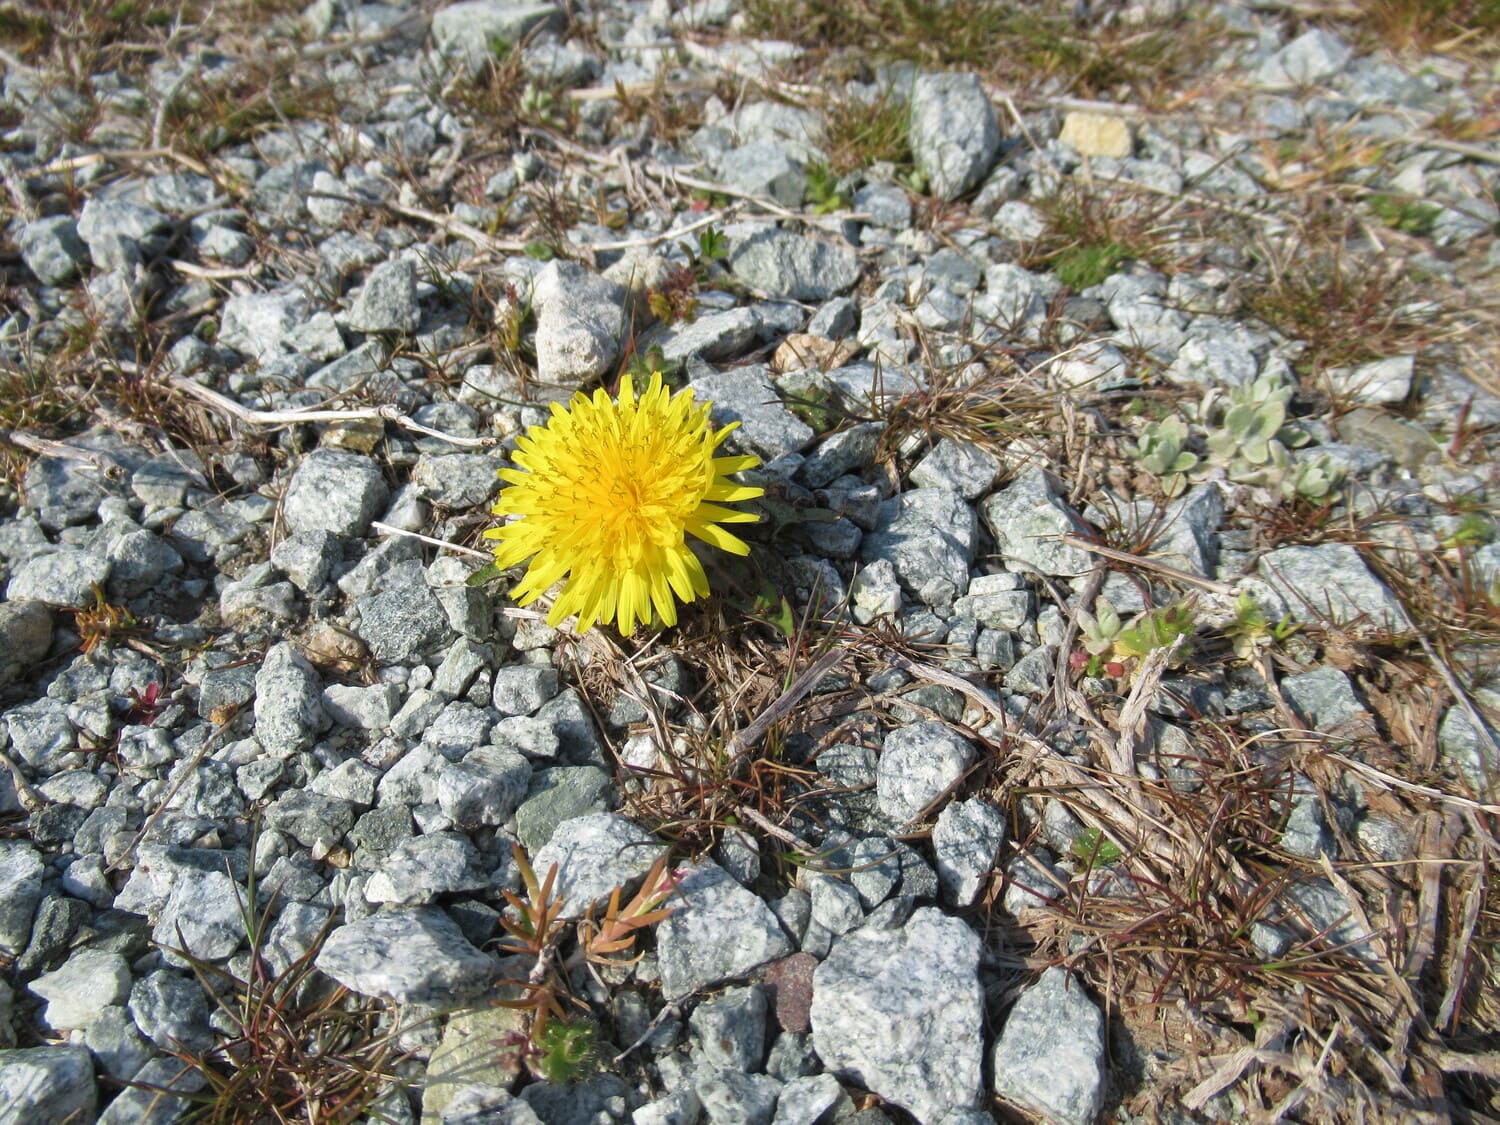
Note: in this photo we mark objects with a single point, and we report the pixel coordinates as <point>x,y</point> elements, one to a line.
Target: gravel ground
<point>1099,728</point>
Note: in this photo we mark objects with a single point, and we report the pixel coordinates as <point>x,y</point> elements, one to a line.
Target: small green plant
<point>1252,630</point>
<point>567,1052</point>
<point>1162,627</point>
<point>1108,642</point>
<point>1409,215</point>
<point>676,299</point>
<point>1473,530</point>
<point>1162,452</point>
<point>1079,267</point>
<point>823,190</point>
<point>1251,436</point>
<point>1094,849</point>
<point>1312,478</point>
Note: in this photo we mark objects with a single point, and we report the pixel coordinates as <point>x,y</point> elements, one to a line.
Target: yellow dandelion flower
<point>607,493</point>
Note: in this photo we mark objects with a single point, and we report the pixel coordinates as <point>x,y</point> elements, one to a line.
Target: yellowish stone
<point>1096,134</point>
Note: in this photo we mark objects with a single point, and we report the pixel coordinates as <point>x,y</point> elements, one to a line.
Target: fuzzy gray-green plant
<point>1162,451</point>
<point>1313,478</point>
<point>1251,436</point>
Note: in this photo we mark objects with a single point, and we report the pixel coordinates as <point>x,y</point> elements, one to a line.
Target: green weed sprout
<point>1108,642</point>
<point>1161,451</point>
<point>1252,630</point>
<point>567,1052</point>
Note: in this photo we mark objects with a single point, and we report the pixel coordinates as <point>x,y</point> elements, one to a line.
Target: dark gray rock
<point>20,891</point>
<point>52,249</point>
<point>730,1029</point>
<point>25,638</point>
<point>557,795</point>
<point>401,624</point>
<point>388,300</point>
<point>171,1011</point>
<point>457,480</point>
<point>146,1104</point>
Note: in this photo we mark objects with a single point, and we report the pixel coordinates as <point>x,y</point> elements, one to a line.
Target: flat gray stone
<point>1324,698</point>
<point>917,763</point>
<point>408,955</point>
<point>557,795</point>
<point>717,932</point>
<point>580,318</point>
<point>65,577</point>
<point>465,30</point>
<point>419,869</point>
<point>595,854</point>
<point>748,396</point>
<point>789,266</point>
<point>1331,582</point>
<point>959,466</point>
<point>47,1084</point>
<point>262,325</point>
<point>1027,517</point>
<point>402,624</point>
<point>1049,1058</point>
<point>79,990</point>
<point>899,1013</point>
